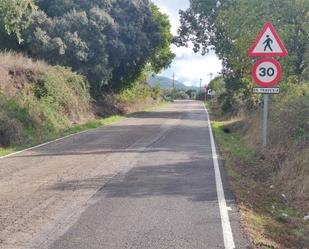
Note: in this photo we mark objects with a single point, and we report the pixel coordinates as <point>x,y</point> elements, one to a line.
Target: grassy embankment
<point>39,103</point>
<point>270,184</point>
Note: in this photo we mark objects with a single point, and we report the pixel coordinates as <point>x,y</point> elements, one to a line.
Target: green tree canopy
<point>230,27</point>
<point>109,41</point>
<point>14,18</point>
<point>162,56</point>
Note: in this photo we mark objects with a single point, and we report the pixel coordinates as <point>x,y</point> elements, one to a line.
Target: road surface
<point>147,182</point>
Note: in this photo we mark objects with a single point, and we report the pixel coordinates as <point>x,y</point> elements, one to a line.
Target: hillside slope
<point>36,99</point>
<point>165,82</point>
<point>39,102</point>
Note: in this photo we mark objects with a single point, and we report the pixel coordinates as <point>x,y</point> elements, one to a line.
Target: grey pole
<point>205,93</point>
<point>265,119</point>
<point>173,91</point>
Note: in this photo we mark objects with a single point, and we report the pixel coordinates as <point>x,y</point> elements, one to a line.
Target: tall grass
<point>37,99</point>
<point>288,137</point>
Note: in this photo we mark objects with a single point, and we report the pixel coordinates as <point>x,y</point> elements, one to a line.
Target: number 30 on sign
<point>267,72</point>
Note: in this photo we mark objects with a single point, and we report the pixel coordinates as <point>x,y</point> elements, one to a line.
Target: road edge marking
<point>56,140</point>
<point>225,221</point>
<point>43,144</point>
<point>59,139</point>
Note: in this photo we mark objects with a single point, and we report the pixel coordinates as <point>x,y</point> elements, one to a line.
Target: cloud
<point>182,52</point>
<point>188,67</point>
<point>191,69</point>
<point>171,8</point>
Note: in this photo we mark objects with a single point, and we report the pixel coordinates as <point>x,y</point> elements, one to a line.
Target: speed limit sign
<point>267,72</point>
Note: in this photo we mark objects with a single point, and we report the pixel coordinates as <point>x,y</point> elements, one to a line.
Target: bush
<point>181,95</point>
<point>217,85</point>
<point>13,118</point>
<point>156,92</point>
<point>10,130</point>
<point>289,117</point>
<point>138,93</point>
<point>67,91</point>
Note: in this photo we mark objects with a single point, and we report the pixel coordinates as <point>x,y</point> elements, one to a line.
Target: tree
<point>14,18</point>
<point>111,42</point>
<point>231,26</point>
<point>217,85</point>
<point>162,55</point>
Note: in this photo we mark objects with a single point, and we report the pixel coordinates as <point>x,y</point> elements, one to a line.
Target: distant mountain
<point>165,82</point>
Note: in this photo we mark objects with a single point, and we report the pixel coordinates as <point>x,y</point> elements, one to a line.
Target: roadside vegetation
<point>271,184</point>
<point>41,102</point>
<point>110,42</point>
<point>68,65</point>
<point>269,215</point>
<point>37,99</point>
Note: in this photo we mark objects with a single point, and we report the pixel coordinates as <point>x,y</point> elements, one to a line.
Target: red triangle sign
<point>268,43</point>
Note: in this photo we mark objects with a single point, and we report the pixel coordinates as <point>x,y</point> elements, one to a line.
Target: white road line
<point>53,141</point>
<point>40,145</point>
<point>225,221</point>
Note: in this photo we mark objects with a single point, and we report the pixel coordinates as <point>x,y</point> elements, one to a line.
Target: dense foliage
<point>14,18</point>
<point>109,41</point>
<point>217,85</point>
<point>231,26</point>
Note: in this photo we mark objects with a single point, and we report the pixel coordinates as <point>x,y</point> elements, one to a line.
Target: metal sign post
<point>267,72</point>
<point>265,119</point>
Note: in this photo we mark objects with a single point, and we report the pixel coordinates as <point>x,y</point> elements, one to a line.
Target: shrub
<point>10,130</point>
<point>13,118</point>
<point>289,117</point>
<point>156,92</point>
<point>181,95</point>
<point>200,95</point>
<point>138,93</point>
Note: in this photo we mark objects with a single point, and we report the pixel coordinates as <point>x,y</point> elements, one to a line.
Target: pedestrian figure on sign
<point>267,43</point>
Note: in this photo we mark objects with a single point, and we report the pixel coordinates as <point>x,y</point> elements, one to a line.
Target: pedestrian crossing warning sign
<point>268,43</point>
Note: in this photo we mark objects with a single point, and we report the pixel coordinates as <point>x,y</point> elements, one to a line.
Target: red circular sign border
<point>273,82</point>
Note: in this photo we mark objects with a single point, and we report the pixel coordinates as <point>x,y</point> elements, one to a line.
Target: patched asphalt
<point>165,195</point>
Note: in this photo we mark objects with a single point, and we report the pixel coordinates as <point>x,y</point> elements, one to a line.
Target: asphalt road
<point>148,182</point>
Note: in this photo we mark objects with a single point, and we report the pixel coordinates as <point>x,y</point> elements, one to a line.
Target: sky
<point>188,67</point>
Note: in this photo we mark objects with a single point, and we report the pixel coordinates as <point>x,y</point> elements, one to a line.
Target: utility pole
<point>201,85</point>
<point>173,91</point>
<point>210,76</point>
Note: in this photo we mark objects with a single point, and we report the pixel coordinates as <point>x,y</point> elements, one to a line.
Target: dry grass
<point>287,159</point>
<point>293,179</point>
<point>18,72</point>
<point>37,99</point>
<point>259,177</point>
<point>12,60</point>
<point>277,181</point>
